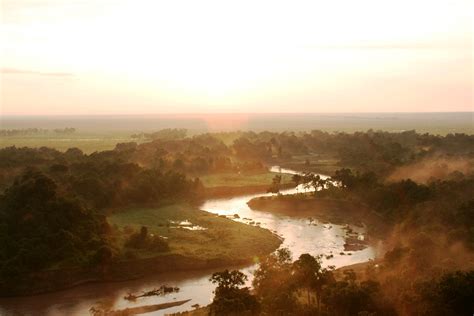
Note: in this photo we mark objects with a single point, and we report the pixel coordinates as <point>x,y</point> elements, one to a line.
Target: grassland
<point>221,237</point>
<point>318,163</point>
<point>235,179</point>
<point>234,184</point>
<point>87,142</point>
<point>222,243</point>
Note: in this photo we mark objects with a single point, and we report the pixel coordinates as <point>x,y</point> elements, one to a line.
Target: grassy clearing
<point>318,163</point>
<point>87,142</point>
<point>238,180</point>
<point>223,238</point>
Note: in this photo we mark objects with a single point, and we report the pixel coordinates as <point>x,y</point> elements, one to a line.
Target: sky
<point>150,56</point>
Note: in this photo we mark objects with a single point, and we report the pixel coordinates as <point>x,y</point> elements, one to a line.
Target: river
<point>298,235</point>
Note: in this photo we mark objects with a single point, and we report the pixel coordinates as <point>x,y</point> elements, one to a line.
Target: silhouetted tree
<point>229,297</point>
<point>276,184</point>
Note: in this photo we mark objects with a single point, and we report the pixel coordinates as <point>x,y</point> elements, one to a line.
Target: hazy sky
<point>151,56</point>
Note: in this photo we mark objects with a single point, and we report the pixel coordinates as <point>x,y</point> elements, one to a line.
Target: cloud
<point>15,71</point>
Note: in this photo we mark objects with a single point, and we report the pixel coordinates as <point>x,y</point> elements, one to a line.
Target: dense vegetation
<point>427,226</point>
<point>303,287</point>
<point>101,180</point>
<point>445,206</point>
<point>379,152</point>
<point>431,237</point>
<point>41,227</point>
<point>428,268</point>
<point>54,208</point>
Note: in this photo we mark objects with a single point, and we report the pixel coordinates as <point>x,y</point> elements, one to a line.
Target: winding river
<point>298,235</point>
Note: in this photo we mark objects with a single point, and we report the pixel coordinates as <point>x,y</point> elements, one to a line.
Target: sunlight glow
<point>223,53</point>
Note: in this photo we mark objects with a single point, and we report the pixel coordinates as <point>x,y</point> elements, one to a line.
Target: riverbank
<point>206,241</point>
<point>224,185</point>
<point>326,210</point>
<point>233,191</point>
<point>61,279</point>
<point>363,270</point>
<point>191,232</point>
<point>320,163</point>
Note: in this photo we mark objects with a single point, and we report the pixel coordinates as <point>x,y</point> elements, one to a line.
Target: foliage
<point>102,180</point>
<point>276,184</point>
<point>274,285</point>
<point>229,298</point>
<point>145,240</point>
<point>41,227</point>
<point>278,281</point>
<point>451,294</point>
<point>350,298</point>
<point>309,274</point>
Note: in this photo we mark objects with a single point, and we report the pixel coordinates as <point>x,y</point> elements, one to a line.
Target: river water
<point>298,234</point>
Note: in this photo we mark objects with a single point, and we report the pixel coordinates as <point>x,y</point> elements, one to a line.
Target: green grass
<point>237,180</point>
<point>87,142</point>
<point>319,163</point>
<point>223,237</point>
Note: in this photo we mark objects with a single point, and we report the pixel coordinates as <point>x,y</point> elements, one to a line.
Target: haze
<point>135,57</point>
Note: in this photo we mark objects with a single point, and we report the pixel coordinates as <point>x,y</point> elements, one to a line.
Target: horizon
<point>433,122</point>
<point>236,113</point>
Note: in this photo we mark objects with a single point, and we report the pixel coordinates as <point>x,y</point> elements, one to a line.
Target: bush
<point>144,240</point>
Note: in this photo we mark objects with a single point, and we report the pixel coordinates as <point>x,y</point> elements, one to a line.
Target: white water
<point>299,236</point>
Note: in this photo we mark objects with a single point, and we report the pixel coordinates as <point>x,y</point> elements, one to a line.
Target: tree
<point>228,279</point>
<point>451,294</point>
<point>276,184</point>
<point>274,285</point>
<point>344,177</point>
<point>315,181</point>
<point>229,297</point>
<point>318,183</point>
<point>306,269</point>
<point>40,227</point>
<point>143,232</point>
<point>296,178</point>
<point>309,274</point>
<point>144,240</point>
<point>349,298</point>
